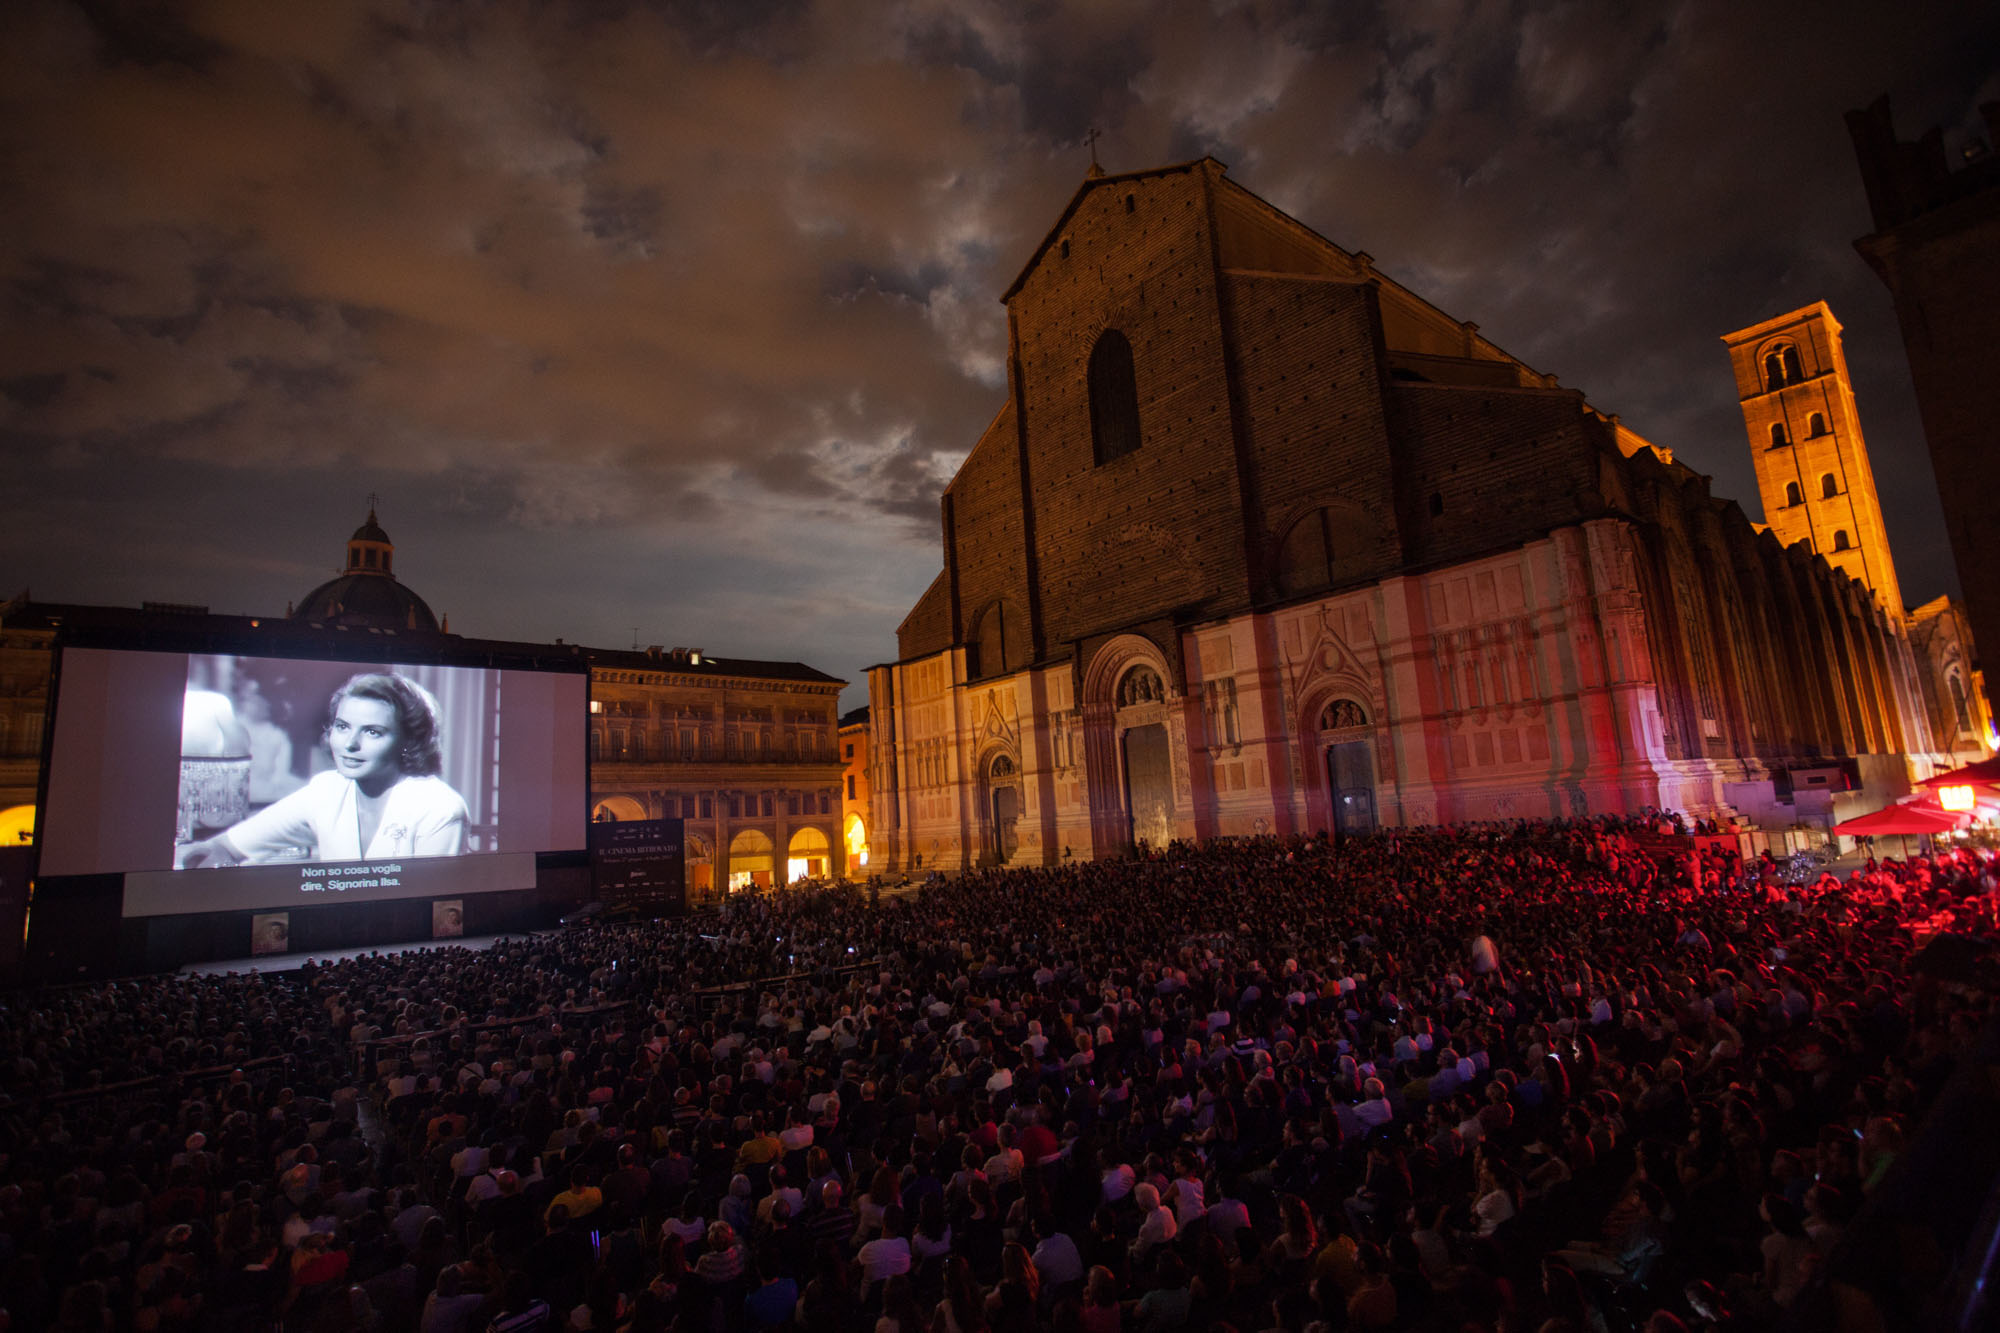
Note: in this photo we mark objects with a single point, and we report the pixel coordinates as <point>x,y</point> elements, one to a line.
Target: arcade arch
<point>809,856</point>
<point>855,838</point>
<point>617,809</point>
<point>750,862</point>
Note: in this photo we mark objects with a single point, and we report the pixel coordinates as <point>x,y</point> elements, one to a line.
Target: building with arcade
<point>538,741</point>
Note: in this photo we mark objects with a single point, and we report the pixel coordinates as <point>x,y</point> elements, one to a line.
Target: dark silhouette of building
<point>1936,245</point>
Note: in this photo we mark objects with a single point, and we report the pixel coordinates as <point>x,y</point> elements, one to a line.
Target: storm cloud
<point>670,320</point>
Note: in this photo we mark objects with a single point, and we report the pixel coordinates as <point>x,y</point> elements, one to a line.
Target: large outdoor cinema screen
<point>229,783</point>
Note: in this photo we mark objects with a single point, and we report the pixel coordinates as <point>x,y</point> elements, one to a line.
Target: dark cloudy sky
<point>675,317</point>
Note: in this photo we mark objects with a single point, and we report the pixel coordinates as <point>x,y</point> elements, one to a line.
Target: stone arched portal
<point>1347,751</point>
<point>1003,807</point>
<point>1135,745</point>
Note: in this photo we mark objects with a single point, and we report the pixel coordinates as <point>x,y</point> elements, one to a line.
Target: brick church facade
<point>1261,541</point>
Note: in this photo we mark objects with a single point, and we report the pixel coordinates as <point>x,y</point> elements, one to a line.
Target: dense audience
<point>1566,1076</point>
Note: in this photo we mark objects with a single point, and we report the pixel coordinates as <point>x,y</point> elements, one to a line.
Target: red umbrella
<point>1984,773</point>
<point>1920,816</point>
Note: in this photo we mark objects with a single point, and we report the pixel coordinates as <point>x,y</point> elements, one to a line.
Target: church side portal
<point>1348,749</point>
<point>1003,807</point>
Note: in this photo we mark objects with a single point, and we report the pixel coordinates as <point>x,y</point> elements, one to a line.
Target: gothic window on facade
<point>1828,487</point>
<point>1114,398</point>
<point>1141,685</point>
<point>1794,493</point>
<point>1779,439</point>
<point>1342,714</point>
<point>1816,424</point>
<point>1841,541</point>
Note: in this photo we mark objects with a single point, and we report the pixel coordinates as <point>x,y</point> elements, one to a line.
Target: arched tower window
<point>1841,541</point>
<point>1781,367</point>
<point>1114,398</point>
<point>1794,495</point>
<point>1816,424</point>
<point>1828,487</point>
<point>1778,437</point>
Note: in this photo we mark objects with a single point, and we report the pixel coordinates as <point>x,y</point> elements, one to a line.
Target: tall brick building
<point>1818,488</point>
<point>1813,473</point>
<point>1260,540</point>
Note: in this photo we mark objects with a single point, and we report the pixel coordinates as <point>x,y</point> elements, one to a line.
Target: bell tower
<point>1805,440</point>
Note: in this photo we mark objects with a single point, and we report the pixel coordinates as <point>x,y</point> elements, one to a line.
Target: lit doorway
<point>1003,805</point>
<point>1350,780</point>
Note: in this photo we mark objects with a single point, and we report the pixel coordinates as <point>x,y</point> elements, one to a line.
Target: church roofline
<point>1370,274</point>
<point>1090,183</point>
<point>621,659</point>
<point>928,587</point>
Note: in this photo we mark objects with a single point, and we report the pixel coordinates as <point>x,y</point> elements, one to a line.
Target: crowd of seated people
<point>1493,1078</point>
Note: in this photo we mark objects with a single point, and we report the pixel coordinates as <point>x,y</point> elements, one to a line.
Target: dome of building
<point>366,592</point>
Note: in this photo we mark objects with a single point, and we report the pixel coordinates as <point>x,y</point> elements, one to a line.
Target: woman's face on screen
<point>364,738</point>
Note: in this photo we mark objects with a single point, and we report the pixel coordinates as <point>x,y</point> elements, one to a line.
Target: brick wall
<point>1309,394</point>
<point>1483,468</point>
<point>988,541</point>
<point>1159,529</point>
<point>927,629</point>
